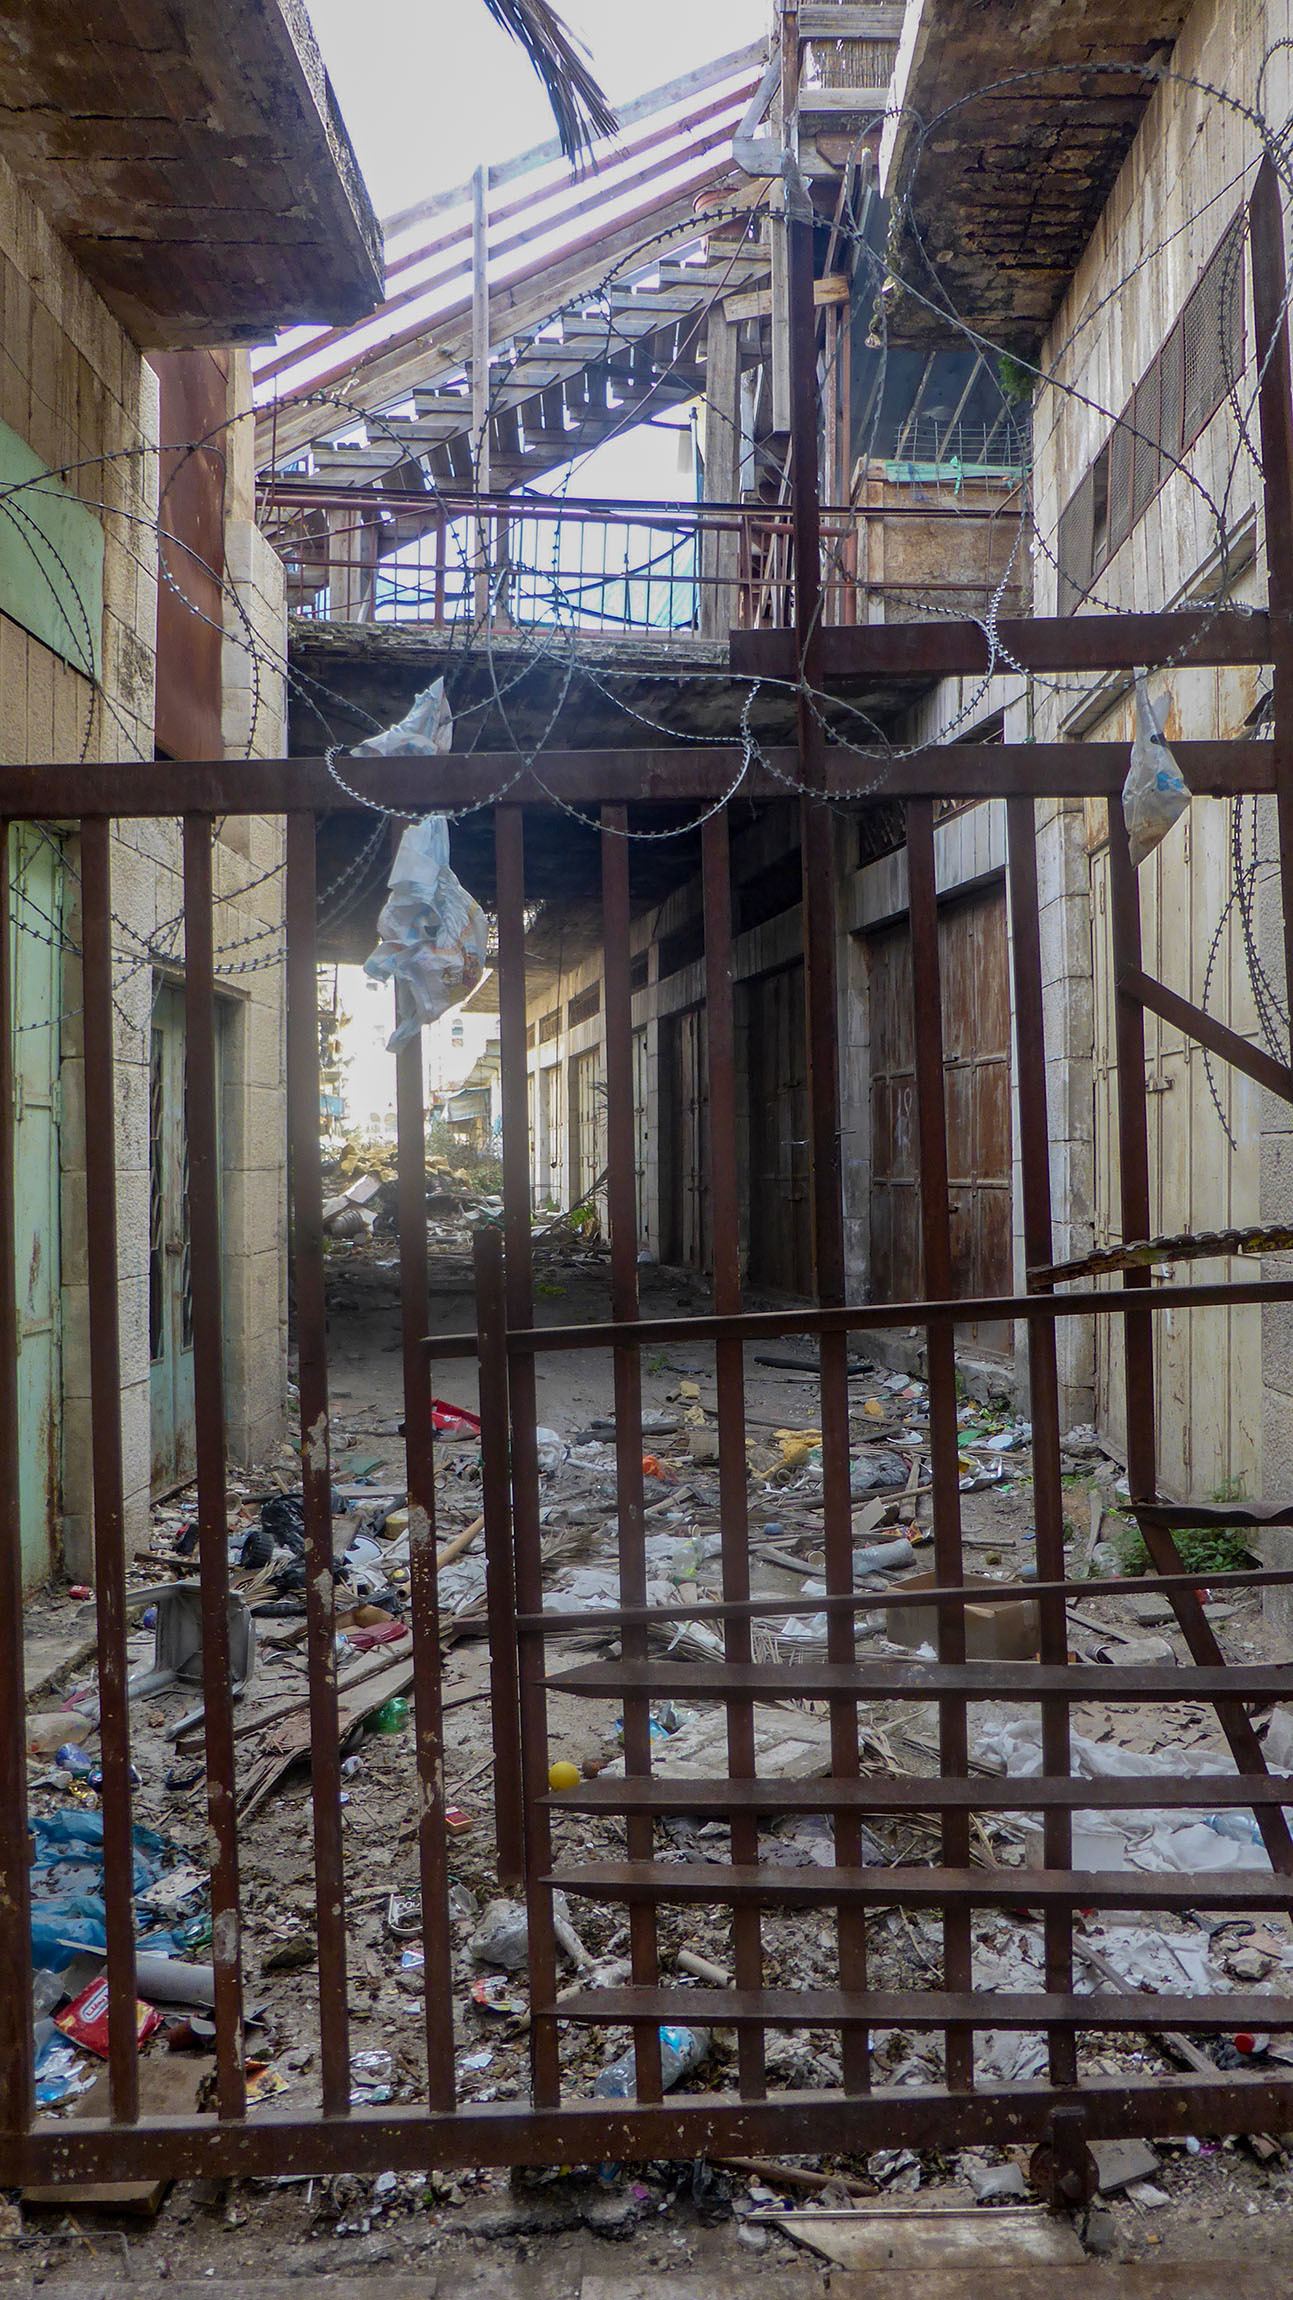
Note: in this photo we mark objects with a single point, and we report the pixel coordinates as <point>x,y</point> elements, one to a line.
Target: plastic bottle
<point>681,2050</point>
<point>392,1717</point>
<point>1241,1828</point>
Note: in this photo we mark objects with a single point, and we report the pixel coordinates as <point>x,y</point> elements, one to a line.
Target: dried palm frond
<point>578,105</point>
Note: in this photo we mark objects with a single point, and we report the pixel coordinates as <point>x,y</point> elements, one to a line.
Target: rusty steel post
<point>16,2041</point>
<point>316,1457</point>
<point>104,1278</point>
<point>202,1124</point>
<point>1043,1378</point>
<point>821,999</point>
<point>419,1462</point>
<point>527,1535</point>
<point>729,1370</point>
<point>621,1192</point>
<point>500,1571</point>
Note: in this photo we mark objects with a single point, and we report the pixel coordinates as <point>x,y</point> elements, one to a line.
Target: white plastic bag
<point>433,934</point>
<point>427,727</point>
<point>1155,793</point>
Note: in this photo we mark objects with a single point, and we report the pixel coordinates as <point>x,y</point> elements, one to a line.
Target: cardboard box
<point>1008,1632</point>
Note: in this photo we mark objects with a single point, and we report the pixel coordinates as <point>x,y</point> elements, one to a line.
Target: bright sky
<point>430,88</point>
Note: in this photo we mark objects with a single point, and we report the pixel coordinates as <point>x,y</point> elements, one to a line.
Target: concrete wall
<point>78,391</point>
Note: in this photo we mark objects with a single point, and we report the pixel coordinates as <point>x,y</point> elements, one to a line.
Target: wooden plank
<point>756,303</point>
<point>882,21</point>
<point>892,2237</point>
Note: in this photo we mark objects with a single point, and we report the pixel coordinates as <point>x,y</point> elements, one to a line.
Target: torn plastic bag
<point>432,933</point>
<point>1155,793</point>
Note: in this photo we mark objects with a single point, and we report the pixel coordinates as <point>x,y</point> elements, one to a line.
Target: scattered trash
<point>85,2020</point>
<point>681,2051</point>
<point>493,1994</point>
<point>392,1717</point>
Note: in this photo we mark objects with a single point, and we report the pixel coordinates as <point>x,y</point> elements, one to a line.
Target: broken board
<point>169,2084</point>
<point>913,2236</point>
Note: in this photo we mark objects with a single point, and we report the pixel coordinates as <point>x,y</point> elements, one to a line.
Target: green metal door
<point>38,971</point>
<point>170,1287</point>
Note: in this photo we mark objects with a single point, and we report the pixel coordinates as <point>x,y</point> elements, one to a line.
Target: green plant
<point>1015,379</point>
<point>1201,1549</point>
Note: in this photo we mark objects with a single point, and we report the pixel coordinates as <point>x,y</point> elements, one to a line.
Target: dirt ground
<point>1200,2200</point>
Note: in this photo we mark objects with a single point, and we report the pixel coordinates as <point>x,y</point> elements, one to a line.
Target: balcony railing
<point>528,562</point>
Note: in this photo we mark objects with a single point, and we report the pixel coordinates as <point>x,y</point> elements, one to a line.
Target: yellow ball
<point>563,1775</point>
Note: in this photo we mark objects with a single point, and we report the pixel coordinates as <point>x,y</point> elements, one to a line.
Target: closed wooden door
<point>781,1239</point>
<point>685,1147</point>
<point>976,1072</point>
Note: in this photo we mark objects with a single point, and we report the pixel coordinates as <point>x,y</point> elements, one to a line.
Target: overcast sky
<point>430,88</point>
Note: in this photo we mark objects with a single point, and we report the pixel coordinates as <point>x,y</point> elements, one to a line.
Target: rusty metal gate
<point>620,789</point>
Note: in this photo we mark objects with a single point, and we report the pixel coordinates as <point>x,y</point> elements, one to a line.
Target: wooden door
<point>781,1240</point>
<point>686,1145</point>
<point>976,1071</point>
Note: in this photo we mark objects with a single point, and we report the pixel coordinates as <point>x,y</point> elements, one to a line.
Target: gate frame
<point>1062,2111</point>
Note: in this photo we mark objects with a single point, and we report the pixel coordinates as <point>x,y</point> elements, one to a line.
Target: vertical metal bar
<point>16,2045</point>
<point>500,1573</point>
<point>1138,1323</point>
<point>1275,413</point>
<point>99,1027</point>
<point>201,1124</point>
<point>822,1024</point>
<point>1043,1381</point>
<point>316,1470</point>
<point>545,2061</point>
<point>729,1366</point>
<point>622,1204</point>
<point>937,1283</point>
<point>419,1460</point>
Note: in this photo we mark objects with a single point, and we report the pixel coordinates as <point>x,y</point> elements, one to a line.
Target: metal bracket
<point>1063,2166</point>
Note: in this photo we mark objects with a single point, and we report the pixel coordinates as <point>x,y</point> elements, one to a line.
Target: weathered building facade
<point>142,615</point>
<point>1146,492</point>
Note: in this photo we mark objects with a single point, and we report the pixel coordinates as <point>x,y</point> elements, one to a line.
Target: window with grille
<point>1196,369</point>
<point>549,1026</point>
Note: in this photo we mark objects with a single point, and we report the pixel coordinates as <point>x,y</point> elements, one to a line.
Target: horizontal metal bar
<point>870,1317</point>
<point>900,1593</point>
<point>766,1886</point>
<point>922,1793</point>
<point>682,1680</point>
<point>1101,642</point>
<point>1181,1014</point>
<point>661,777</point>
<point>920,2009</point>
<point>407,2140</point>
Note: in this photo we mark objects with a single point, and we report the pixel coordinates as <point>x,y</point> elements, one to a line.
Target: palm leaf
<point>578,105</point>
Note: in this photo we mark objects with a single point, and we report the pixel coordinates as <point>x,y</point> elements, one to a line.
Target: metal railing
<point>377,556</point>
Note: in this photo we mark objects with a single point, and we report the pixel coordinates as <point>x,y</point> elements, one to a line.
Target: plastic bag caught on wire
<point>433,934</point>
<point>1155,793</point>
